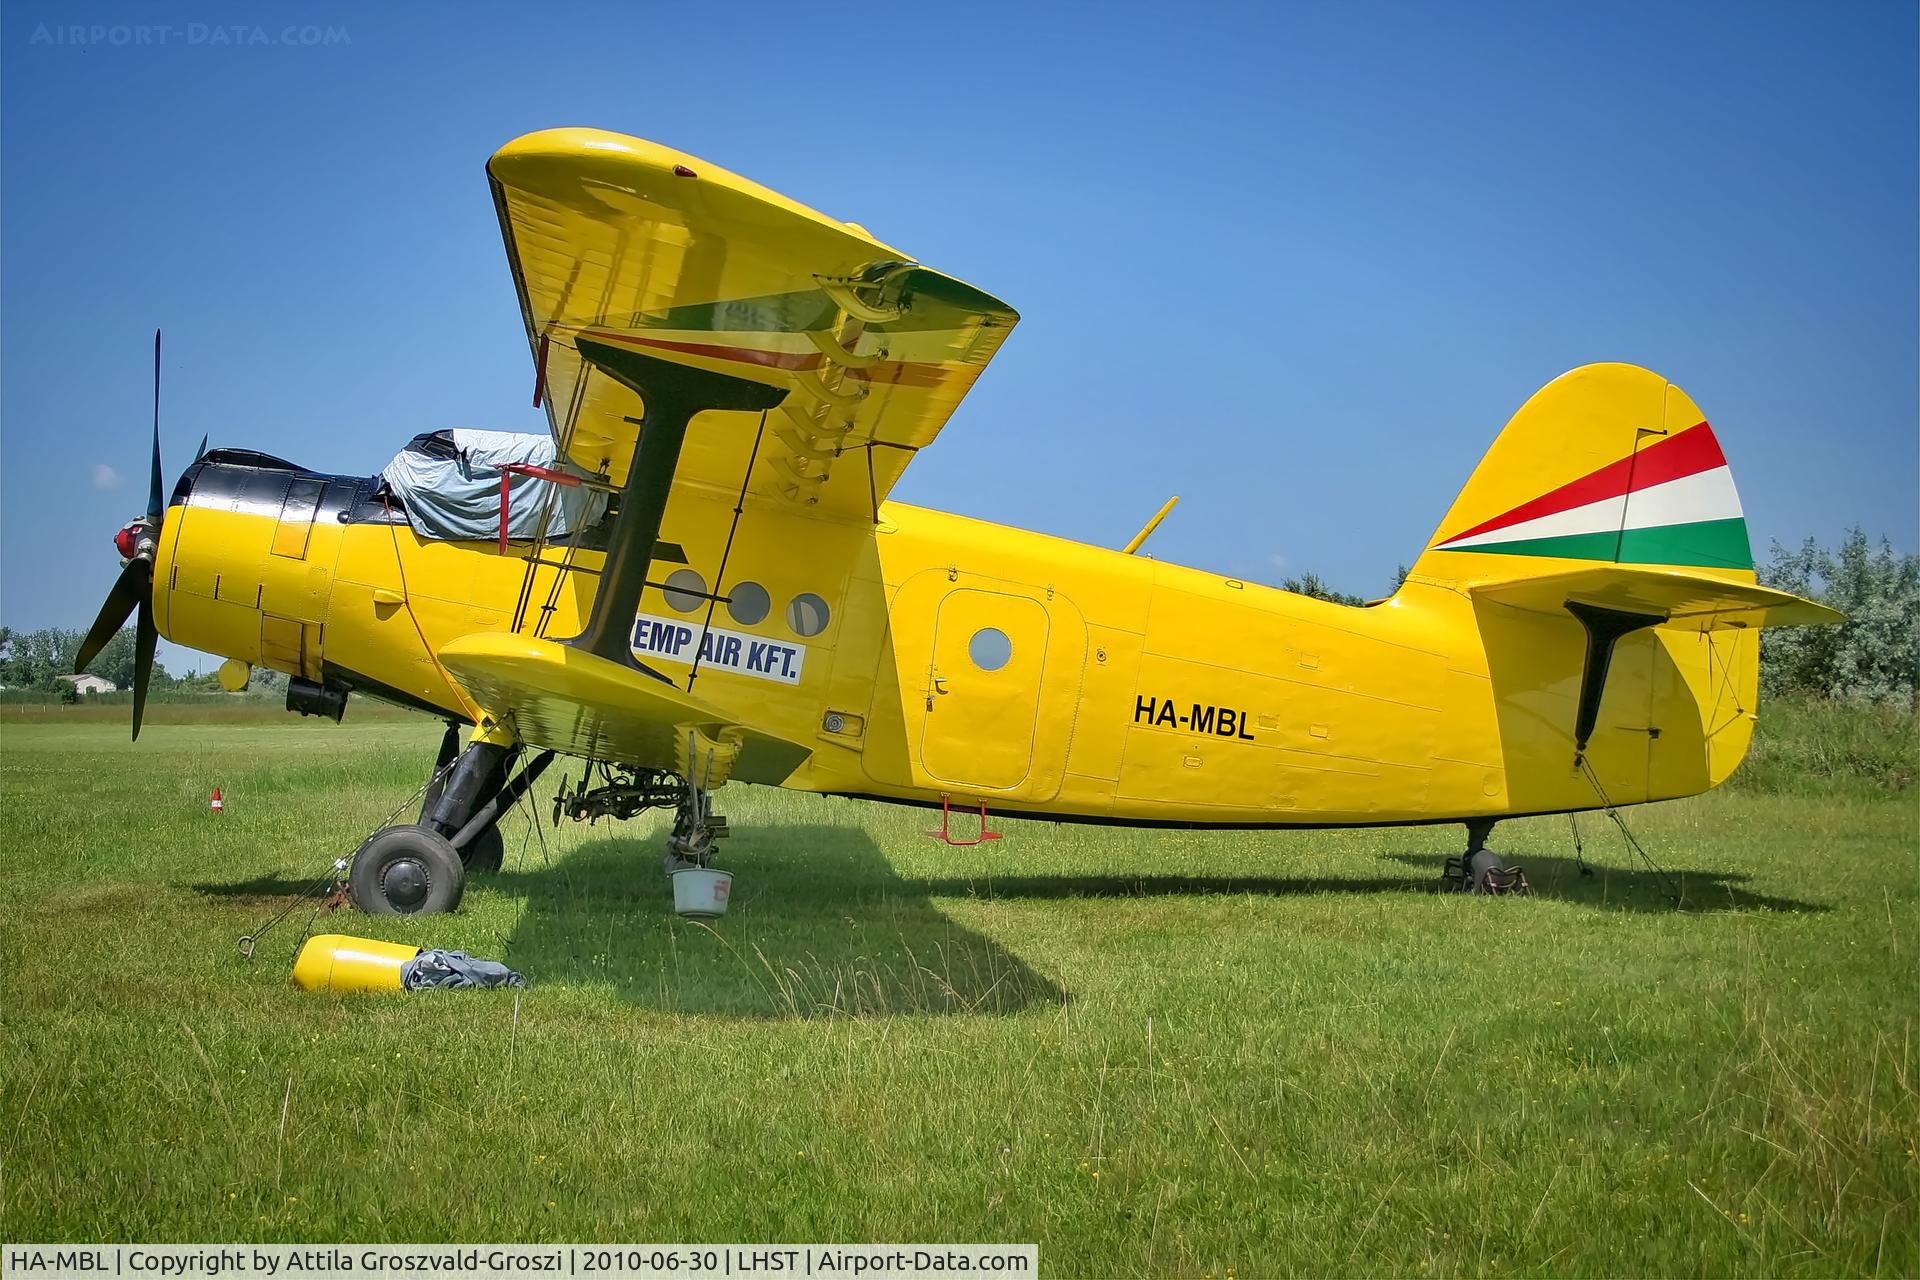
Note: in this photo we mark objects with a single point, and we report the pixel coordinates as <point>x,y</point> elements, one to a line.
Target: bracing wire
<point>720,577</point>
<point>1579,850</point>
<point>1666,882</point>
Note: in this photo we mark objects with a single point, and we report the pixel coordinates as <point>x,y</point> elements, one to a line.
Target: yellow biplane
<point>706,580</point>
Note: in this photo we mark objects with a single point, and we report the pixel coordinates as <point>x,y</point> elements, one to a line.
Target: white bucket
<point>701,891</point>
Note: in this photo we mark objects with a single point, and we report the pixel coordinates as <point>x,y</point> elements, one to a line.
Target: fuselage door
<point>983,689</point>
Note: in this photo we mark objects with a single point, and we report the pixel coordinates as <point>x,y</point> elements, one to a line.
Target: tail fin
<point>1607,502</point>
<point>1609,464</point>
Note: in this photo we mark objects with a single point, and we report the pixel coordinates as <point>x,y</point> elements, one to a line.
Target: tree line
<point>37,660</point>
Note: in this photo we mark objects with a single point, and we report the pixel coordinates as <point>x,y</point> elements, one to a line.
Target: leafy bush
<point>1875,656</point>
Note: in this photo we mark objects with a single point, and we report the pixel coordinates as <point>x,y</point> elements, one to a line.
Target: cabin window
<point>807,615</point>
<point>685,590</point>
<point>748,603</point>
<point>990,649</point>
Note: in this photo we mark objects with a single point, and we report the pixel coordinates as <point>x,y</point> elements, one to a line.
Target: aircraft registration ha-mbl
<point>702,578</point>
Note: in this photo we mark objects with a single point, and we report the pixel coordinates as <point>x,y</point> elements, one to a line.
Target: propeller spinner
<point>133,590</point>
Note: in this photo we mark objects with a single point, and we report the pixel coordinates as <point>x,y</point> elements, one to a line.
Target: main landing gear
<point>421,868</point>
<point>1480,869</point>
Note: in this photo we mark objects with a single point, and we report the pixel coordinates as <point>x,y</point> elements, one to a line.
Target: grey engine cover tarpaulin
<point>449,483</point>
<point>455,969</point>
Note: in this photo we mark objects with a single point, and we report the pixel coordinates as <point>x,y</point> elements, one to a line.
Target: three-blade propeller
<point>133,590</point>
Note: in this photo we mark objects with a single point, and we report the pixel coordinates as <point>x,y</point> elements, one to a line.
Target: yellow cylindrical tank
<point>335,962</point>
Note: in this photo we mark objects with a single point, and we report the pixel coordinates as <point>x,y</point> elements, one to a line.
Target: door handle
<point>939,684</point>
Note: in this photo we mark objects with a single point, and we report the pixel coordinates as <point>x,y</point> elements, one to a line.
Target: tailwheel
<point>405,871</point>
<point>1480,869</point>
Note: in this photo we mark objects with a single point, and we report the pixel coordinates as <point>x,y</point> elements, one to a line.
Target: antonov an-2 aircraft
<point>734,383</point>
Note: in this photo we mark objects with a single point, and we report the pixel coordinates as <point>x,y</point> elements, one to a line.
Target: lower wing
<point>562,698</point>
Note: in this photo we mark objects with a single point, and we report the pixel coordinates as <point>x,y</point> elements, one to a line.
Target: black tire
<point>406,871</point>
<point>1480,867</point>
<point>486,852</point>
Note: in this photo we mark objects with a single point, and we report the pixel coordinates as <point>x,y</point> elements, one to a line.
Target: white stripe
<point>1705,495</point>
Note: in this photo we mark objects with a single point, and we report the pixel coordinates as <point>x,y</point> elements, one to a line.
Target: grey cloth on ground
<point>455,969</point>
<point>449,483</point>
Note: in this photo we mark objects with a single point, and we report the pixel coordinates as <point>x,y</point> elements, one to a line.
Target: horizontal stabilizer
<point>1672,594</point>
<point>573,702</point>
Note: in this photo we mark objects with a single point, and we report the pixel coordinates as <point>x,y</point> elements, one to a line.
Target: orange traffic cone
<point>217,804</point>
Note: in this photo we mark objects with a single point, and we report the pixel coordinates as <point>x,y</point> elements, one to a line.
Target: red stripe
<point>745,355</point>
<point>1686,453</point>
<point>902,373</point>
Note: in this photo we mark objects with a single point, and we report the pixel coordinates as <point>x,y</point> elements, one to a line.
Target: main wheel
<point>406,871</point>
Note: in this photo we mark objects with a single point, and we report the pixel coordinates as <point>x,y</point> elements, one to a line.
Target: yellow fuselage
<point>1124,689</point>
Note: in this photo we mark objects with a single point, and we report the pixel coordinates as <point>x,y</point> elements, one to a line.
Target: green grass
<point>1152,1053</point>
<point>1813,746</point>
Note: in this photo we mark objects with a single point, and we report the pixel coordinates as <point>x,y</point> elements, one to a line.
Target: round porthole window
<point>685,590</point>
<point>990,649</point>
<point>807,615</point>
<point>748,603</point>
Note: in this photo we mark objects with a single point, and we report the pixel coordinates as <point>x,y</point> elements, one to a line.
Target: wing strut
<point>672,394</point>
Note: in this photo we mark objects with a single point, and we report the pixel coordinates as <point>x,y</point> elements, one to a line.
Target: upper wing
<point>1670,593</point>
<point>629,244</point>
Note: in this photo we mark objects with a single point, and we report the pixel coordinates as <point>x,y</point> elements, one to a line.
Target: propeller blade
<point>130,589</point>
<point>146,639</point>
<point>203,449</point>
<point>155,499</point>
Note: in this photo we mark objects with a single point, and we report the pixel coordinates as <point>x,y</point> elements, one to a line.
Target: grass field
<point>1152,1053</point>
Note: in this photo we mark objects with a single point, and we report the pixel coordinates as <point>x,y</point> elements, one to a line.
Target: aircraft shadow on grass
<point>822,925</point>
<point>819,925</point>
<point>1635,888</point>
<point>1549,877</point>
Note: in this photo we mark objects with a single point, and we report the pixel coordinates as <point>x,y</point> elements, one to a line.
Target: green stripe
<point>774,313</point>
<point>1709,544</point>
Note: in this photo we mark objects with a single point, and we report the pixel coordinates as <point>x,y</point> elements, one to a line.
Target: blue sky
<point>1296,263</point>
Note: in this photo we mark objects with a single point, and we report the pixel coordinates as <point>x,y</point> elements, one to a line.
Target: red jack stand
<point>945,836</point>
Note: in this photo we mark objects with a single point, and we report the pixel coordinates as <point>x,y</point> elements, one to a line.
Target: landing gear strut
<point>1480,869</point>
<point>421,868</point>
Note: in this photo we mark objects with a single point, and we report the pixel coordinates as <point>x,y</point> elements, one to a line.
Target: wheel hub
<point>405,883</point>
